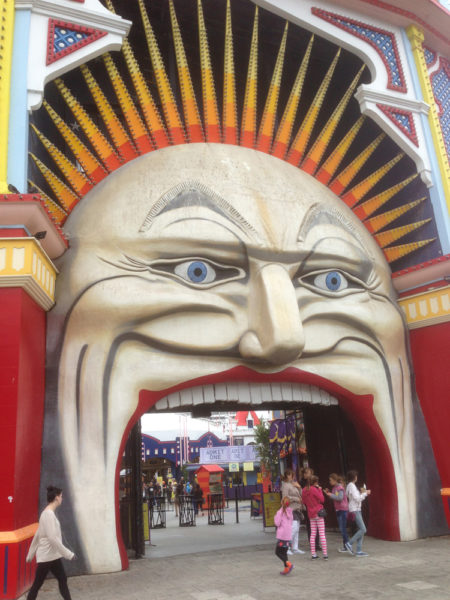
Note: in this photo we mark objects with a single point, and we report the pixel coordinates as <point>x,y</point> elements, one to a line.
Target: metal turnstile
<point>215,509</point>
<point>187,513</point>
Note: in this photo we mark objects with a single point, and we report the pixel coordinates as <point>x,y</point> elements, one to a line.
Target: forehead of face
<point>240,193</point>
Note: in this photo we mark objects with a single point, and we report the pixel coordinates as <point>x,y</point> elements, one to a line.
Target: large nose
<point>275,332</point>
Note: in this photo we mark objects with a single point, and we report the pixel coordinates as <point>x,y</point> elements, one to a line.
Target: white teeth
<point>246,393</point>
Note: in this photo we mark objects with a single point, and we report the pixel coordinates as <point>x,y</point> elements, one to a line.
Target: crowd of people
<point>171,492</point>
<point>303,501</point>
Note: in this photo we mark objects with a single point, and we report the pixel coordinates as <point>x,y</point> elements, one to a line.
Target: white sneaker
<point>290,552</point>
<point>298,551</point>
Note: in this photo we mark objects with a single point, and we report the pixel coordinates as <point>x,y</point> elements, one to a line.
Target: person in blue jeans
<point>355,498</point>
<point>340,501</point>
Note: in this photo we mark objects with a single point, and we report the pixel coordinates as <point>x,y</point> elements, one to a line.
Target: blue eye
<point>332,281</point>
<point>196,271</point>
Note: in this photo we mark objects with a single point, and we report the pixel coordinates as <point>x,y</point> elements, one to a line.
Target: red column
<point>22,364</point>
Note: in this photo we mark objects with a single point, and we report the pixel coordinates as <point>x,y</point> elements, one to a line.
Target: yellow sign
<point>248,466</point>
<point>233,467</point>
<point>271,502</point>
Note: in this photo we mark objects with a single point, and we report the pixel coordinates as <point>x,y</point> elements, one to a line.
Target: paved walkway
<point>237,562</point>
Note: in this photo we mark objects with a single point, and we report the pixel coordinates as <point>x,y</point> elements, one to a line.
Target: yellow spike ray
<point>78,180</point>
<point>248,125</point>
<point>116,130</point>
<point>191,114</point>
<point>376,223</point>
<point>368,207</point>
<point>132,117</point>
<point>345,177</point>
<point>210,110</point>
<point>354,195</point>
<point>314,156</point>
<point>97,139</point>
<point>170,108</point>
<point>397,252</point>
<point>392,235</point>
<point>270,109</point>
<point>91,166</point>
<point>283,135</point>
<point>304,133</point>
<point>330,166</point>
<point>58,213</point>
<point>65,196</point>
<point>149,109</point>
<point>230,122</point>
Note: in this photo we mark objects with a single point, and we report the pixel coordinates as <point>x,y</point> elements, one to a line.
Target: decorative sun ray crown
<point>141,128</point>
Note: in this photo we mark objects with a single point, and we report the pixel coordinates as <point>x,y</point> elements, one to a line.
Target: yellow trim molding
<point>416,39</point>
<point>23,263</point>
<point>14,537</point>
<point>6,49</point>
<point>427,308</point>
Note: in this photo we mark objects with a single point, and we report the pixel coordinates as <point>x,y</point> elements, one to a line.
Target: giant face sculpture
<point>194,260</point>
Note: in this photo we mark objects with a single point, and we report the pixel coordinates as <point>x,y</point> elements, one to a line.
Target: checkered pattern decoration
<point>383,41</point>
<point>65,38</point>
<point>440,80</point>
<point>403,119</point>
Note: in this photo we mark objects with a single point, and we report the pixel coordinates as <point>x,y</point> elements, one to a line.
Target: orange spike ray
<point>354,195</point>
<point>77,179</point>
<point>230,123</point>
<point>132,117</point>
<point>371,205</point>
<point>267,126</point>
<point>376,223</point>
<point>301,140</point>
<point>397,252</point>
<point>345,177</point>
<point>170,109</point>
<point>330,166</point>
<point>387,237</point>
<point>94,135</point>
<point>210,110</point>
<point>191,114</point>
<point>58,213</point>
<point>116,130</point>
<point>248,125</point>
<point>91,166</point>
<point>65,195</point>
<point>314,156</point>
<point>149,110</point>
<point>283,135</point>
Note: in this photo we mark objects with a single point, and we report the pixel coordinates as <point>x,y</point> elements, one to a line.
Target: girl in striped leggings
<point>313,498</point>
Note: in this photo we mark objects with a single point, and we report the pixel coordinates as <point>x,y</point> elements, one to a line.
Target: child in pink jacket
<point>313,498</point>
<point>283,521</point>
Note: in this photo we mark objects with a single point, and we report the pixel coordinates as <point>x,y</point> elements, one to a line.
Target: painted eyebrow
<point>194,193</point>
<point>319,214</point>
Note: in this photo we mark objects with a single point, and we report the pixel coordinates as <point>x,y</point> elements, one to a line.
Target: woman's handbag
<point>322,513</point>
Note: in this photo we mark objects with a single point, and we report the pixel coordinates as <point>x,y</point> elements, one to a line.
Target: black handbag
<point>322,513</point>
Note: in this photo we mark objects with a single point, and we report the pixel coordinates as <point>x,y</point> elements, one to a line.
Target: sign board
<point>215,477</point>
<point>271,504</point>
<point>228,454</point>
<point>248,466</point>
<point>233,467</point>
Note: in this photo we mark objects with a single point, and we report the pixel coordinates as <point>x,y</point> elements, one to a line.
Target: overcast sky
<point>169,421</point>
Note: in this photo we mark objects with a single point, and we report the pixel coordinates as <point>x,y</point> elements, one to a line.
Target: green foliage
<point>268,456</point>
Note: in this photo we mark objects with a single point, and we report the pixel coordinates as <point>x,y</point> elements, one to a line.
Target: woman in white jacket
<point>48,547</point>
<point>292,490</point>
<point>355,498</point>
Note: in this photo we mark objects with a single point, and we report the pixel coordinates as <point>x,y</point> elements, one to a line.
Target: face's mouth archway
<point>241,386</point>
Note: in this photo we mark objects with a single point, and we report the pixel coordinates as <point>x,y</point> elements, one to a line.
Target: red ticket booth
<point>210,479</point>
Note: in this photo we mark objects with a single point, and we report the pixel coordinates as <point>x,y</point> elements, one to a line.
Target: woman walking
<point>355,498</point>
<point>291,489</point>
<point>340,500</point>
<point>48,547</point>
<point>313,498</point>
<point>283,522</point>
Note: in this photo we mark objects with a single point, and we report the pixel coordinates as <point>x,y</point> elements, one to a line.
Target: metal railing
<point>215,509</point>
